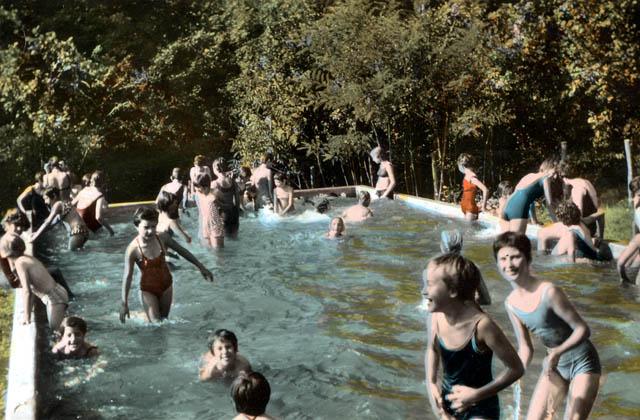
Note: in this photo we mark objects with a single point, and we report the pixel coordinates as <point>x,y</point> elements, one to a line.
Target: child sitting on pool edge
<point>336,228</point>
<point>72,344</point>
<point>251,393</point>
<point>223,360</point>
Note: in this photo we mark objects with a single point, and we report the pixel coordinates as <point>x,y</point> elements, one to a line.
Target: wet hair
<point>505,189</point>
<point>203,181</point>
<point>39,176</point>
<point>364,198</point>
<point>251,393</point>
<point>12,245</point>
<point>634,185</point>
<point>52,193</point>
<point>515,240</point>
<point>460,274</point>
<point>341,223</point>
<point>323,206</point>
<point>466,160</point>
<point>451,241</point>
<point>568,213</point>
<point>15,217</point>
<point>97,179</point>
<point>74,322</point>
<point>145,213</point>
<point>165,200</point>
<point>223,335</point>
<point>552,162</point>
<point>177,172</point>
<point>86,180</point>
<point>219,162</point>
<point>199,160</point>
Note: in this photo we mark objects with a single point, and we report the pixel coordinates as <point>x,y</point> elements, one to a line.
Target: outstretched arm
<point>55,211</point>
<point>169,242</point>
<point>463,397</point>
<point>175,225</point>
<point>546,184</point>
<point>129,261</point>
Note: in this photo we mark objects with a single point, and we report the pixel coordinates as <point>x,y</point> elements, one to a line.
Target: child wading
<point>463,339</point>
<point>535,306</point>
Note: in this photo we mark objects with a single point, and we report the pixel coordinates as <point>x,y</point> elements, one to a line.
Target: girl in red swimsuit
<point>148,250</point>
<point>470,185</point>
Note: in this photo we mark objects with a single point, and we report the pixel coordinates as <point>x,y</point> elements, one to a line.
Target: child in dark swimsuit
<point>148,251</point>
<point>534,306</point>
<point>251,393</point>
<point>463,339</point>
<point>72,344</point>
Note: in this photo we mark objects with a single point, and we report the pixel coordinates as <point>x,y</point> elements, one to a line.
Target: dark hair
<point>551,162</point>
<point>515,240</point>
<point>383,154</point>
<point>74,322</point>
<point>15,217</point>
<point>203,181</point>
<point>323,206</point>
<point>466,160</point>
<point>54,162</point>
<point>251,393</point>
<point>165,200</point>
<point>52,192</point>
<point>86,180</point>
<point>177,172</point>
<point>280,177</point>
<point>265,158</point>
<point>451,241</point>
<point>145,213</point>
<point>364,198</point>
<point>97,179</point>
<point>461,274</point>
<point>13,245</point>
<point>634,185</point>
<point>245,171</point>
<point>39,176</point>
<point>505,189</point>
<point>219,162</point>
<point>223,335</point>
<point>568,213</point>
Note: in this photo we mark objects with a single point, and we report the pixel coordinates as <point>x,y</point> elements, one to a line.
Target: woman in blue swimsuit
<point>521,204</point>
<point>572,364</point>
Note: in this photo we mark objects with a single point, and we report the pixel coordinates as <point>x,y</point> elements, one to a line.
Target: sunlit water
<point>336,326</point>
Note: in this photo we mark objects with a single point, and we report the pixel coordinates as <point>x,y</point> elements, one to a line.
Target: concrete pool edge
<point>22,393</point>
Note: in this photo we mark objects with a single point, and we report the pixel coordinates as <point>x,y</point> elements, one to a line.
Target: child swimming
<point>34,280</point>
<point>470,186</point>
<point>72,344</point>
<point>251,393</point>
<point>534,306</point>
<point>463,339</point>
<point>336,228</point>
<point>223,360</point>
<point>360,211</point>
<point>147,251</point>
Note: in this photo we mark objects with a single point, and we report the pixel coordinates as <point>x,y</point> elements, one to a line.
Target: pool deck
<point>22,395</point>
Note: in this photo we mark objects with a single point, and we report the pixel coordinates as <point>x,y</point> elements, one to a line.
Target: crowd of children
<point>462,338</point>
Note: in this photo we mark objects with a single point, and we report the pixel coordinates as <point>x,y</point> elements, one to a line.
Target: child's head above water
<point>166,201</point>
<point>568,213</point>
<point>337,226</point>
<point>51,194</point>
<point>223,336</point>
<point>364,198</point>
<point>460,275</point>
<point>145,213</point>
<point>251,393</point>
<point>518,241</point>
<point>12,246</point>
<point>634,187</point>
<point>199,160</point>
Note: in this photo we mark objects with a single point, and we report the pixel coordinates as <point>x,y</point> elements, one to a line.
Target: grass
<point>618,222</point>
<point>6,315</point>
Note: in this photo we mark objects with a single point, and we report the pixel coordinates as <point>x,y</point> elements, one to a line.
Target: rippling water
<point>336,326</point>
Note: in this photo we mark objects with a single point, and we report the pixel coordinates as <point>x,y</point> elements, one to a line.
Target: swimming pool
<point>335,326</point>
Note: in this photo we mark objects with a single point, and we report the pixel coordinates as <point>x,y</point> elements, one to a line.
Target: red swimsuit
<point>88,214</point>
<point>468,202</point>
<point>155,275</point>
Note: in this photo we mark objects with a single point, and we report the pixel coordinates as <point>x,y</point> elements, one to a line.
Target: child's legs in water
<point>77,241</point>
<point>216,241</point>
<point>582,394</point>
<point>156,309</point>
<point>518,225</point>
<point>547,397</point>
<point>55,315</point>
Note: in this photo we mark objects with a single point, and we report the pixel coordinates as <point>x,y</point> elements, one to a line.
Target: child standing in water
<point>470,186</point>
<point>72,344</point>
<point>283,195</point>
<point>360,211</point>
<point>463,339</point>
<point>534,306</point>
<point>223,360</point>
<point>148,250</point>
<point>211,225</point>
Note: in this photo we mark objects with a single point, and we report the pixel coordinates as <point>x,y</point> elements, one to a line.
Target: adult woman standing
<point>386,178</point>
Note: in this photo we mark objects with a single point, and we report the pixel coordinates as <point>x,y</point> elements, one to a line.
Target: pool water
<point>335,326</point>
